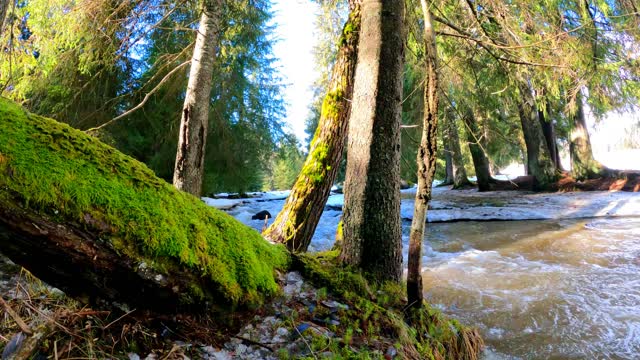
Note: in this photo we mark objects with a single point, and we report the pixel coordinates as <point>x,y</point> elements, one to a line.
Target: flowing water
<point>541,289</point>
<point>535,289</point>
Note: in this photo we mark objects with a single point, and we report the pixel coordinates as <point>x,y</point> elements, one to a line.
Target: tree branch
<point>144,101</point>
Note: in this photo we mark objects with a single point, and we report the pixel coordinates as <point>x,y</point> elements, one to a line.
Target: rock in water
<point>262,215</point>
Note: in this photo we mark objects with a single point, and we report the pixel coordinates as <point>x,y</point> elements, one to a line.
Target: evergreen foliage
<point>64,66</point>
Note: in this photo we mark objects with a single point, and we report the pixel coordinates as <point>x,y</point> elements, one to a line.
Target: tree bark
<point>549,132</point>
<point>448,162</point>
<point>372,233</point>
<point>297,221</point>
<point>460,178</point>
<point>539,161</point>
<point>427,153</point>
<point>480,161</point>
<point>4,8</point>
<point>101,226</point>
<point>189,168</point>
<point>583,165</point>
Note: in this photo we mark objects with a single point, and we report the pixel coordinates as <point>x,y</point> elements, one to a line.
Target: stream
<point>554,288</point>
<point>541,289</point>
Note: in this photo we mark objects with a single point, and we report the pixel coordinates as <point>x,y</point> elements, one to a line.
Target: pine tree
<point>372,234</point>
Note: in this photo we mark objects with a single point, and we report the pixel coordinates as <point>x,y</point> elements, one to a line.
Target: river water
<point>536,289</point>
<point>541,289</point>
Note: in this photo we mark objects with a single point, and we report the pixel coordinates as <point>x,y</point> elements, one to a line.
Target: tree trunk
<point>297,221</point>
<point>460,178</point>
<point>189,168</point>
<point>448,163</point>
<point>4,8</point>
<point>539,161</point>
<point>480,162</point>
<point>427,154</point>
<point>549,132</point>
<point>372,233</point>
<point>583,165</point>
<point>101,226</point>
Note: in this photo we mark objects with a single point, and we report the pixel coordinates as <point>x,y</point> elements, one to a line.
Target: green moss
<point>61,171</point>
<point>315,169</point>
<point>379,313</point>
<point>332,104</point>
<point>316,166</point>
<point>351,29</point>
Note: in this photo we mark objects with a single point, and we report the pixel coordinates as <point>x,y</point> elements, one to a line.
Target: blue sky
<point>294,21</point>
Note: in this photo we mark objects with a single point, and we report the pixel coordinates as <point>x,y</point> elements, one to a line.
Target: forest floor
<point>289,326</point>
<point>335,315</point>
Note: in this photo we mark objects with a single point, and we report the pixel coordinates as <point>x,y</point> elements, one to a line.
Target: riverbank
<point>322,312</point>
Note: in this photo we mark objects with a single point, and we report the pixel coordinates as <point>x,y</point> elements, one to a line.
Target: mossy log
<point>100,225</point>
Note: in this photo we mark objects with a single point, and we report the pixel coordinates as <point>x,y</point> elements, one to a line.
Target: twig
<point>87,313</point>
<point>174,348</point>
<point>303,339</point>
<point>253,342</point>
<point>118,319</point>
<point>21,324</point>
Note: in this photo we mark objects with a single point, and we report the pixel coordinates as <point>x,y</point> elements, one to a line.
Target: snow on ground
<point>451,205</point>
<point>222,204</point>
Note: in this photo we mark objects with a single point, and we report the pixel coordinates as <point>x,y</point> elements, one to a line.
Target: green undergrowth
<point>378,318</point>
<point>69,176</point>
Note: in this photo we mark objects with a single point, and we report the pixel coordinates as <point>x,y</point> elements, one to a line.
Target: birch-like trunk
<point>426,163</point>
<point>189,168</point>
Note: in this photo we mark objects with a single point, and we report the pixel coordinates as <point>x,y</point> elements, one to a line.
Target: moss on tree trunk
<point>583,165</point>
<point>297,221</point>
<point>94,222</point>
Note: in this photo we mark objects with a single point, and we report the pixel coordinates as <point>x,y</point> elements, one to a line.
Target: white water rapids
<point>541,289</point>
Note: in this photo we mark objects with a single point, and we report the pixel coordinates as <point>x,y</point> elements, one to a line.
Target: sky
<point>294,21</point>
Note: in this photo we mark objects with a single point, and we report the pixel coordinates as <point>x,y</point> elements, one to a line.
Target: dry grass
<point>68,329</point>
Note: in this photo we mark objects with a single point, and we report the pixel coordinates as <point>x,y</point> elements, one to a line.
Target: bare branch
<point>144,101</point>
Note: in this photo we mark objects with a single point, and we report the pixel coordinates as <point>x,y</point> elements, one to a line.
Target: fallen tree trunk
<point>100,225</point>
